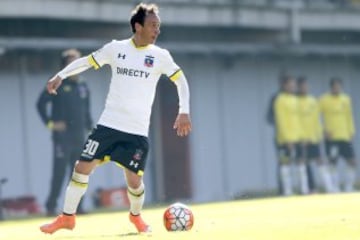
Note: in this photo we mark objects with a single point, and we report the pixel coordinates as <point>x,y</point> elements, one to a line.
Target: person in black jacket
<point>67,115</point>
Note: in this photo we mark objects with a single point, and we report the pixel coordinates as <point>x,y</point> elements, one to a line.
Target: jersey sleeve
<point>102,56</point>
<point>317,120</point>
<point>169,67</point>
<point>282,125</point>
<point>350,117</point>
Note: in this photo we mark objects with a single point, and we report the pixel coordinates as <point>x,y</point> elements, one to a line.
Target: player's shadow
<point>129,234</point>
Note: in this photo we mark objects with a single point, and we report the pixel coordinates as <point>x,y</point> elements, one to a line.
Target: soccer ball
<point>178,217</point>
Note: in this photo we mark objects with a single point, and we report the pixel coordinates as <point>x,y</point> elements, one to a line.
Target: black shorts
<point>125,149</point>
<point>286,155</point>
<point>310,151</point>
<point>339,149</point>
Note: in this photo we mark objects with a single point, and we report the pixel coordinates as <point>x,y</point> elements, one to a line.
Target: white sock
<point>304,187</point>
<point>285,178</point>
<point>350,179</point>
<point>74,192</point>
<point>335,178</point>
<point>326,178</point>
<point>136,199</point>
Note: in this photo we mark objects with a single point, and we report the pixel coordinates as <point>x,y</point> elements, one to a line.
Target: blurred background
<point>232,52</point>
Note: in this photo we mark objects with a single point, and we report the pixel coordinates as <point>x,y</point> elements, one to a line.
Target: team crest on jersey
<point>149,61</point>
<point>138,154</point>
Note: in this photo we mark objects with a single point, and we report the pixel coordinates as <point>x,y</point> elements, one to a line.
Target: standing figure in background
<point>270,119</point>
<point>311,136</point>
<point>67,115</point>
<point>288,134</point>
<point>339,132</point>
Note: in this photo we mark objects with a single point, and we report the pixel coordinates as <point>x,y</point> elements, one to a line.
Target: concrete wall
<point>231,145</point>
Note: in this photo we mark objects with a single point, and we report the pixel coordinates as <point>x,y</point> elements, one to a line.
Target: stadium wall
<point>232,149</point>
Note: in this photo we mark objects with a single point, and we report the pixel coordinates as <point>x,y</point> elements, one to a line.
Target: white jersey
<point>135,73</point>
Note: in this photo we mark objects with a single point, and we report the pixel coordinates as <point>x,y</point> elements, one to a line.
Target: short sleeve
<point>169,67</point>
<point>102,56</point>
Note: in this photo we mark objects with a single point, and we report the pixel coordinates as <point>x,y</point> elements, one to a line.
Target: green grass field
<point>322,217</point>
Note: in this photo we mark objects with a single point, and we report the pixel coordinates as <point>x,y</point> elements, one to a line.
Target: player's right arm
<point>41,105</point>
<point>182,123</point>
<point>281,121</point>
<point>322,108</point>
<point>76,67</point>
<point>350,118</point>
<point>96,60</point>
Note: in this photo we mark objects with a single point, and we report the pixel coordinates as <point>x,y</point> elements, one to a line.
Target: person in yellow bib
<point>339,131</point>
<point>287,132</point>
<point>311,137</point>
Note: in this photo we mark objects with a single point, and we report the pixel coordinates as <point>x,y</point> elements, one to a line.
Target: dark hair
<point>285,79</point>
<point>335,80</point>
<point>65,55</point>
<point>301,80</point>
<point>140,12</point>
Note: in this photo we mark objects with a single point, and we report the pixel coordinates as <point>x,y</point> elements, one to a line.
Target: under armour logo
<point>135,164</point>
<point>123,56</point>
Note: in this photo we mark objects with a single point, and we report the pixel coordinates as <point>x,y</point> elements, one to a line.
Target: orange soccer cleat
<point>61,222</point>
<point>139,223</point>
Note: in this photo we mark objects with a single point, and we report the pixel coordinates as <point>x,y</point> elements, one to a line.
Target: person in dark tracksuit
<point>67,115</point>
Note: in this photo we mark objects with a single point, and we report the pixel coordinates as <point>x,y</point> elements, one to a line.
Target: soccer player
<point>68,120</point>
<point>121,133</point>
<point>270,119</point>
<point>288,133</point>
<point>311,136</point>
<point>339,131</point>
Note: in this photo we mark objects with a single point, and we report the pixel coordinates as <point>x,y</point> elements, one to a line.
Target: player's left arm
<point>350,118</point>
<point>317,120</point>
<point>172,70</point>
<point>183,123</point>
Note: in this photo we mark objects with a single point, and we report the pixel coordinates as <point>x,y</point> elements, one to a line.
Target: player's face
<point>290,86</point>
<point>151,29</point>
<point>336,88</point>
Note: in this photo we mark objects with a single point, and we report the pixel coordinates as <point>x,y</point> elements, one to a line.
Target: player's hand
<point>53,84</point>
<point>182,124</point>
<point>59,126</point>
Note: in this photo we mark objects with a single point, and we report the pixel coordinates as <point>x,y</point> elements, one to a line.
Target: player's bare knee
<point>137,190</point>
<point>134,183</point>
<point>133,180</point>
<point>85,168</point>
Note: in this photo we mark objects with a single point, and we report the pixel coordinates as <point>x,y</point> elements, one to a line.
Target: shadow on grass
<point>100,236</point>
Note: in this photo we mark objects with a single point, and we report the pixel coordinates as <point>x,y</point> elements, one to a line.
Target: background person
<point>67,115</point>
<point>288,134</point>
<point>336,109</point>
<point>311,136</point>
